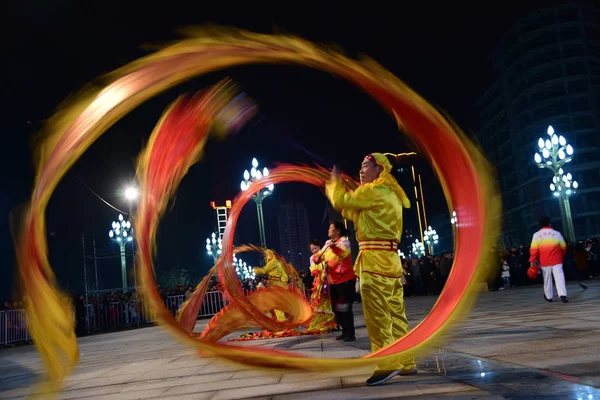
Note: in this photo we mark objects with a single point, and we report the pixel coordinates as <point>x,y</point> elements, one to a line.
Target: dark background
<point>51,49</point>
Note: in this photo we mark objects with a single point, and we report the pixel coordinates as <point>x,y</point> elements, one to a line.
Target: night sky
<point>51,49</point>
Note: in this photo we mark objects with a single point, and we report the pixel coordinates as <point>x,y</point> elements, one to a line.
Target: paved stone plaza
<point>512,345</point>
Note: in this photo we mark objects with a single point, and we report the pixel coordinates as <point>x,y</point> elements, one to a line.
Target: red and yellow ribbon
<point>463,172</point>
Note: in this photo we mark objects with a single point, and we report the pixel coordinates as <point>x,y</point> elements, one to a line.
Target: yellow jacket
<point>278,276</point>
<point>376,210</point>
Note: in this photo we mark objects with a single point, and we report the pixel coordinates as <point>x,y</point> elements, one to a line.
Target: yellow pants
<point>383,306</point>
<point>279,315</point>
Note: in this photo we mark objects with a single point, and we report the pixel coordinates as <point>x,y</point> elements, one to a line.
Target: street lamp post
<point>214,245</point>
<point>250,177</point>
<point>418,248</point>
<point>122,232</point>
<point>431,238</point>
<point>131,194</point>
<point>555,153</point>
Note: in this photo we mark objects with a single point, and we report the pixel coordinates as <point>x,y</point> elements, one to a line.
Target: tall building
<point>294,234</point>
<point>548,69</point>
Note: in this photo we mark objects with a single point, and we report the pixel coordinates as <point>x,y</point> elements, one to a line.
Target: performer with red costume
<point>336,254</point>
<point>547,250</point>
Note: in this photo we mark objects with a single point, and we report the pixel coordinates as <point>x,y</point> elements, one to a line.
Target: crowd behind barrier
<point>102,316</point>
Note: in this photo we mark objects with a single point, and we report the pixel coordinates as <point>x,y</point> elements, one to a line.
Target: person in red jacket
<point>547,250</point>
<point>336,254</point>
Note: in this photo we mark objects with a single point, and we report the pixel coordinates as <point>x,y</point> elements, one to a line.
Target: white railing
<point>13,327</point>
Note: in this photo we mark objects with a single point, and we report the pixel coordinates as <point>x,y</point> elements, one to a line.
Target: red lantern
<point>532,272</point>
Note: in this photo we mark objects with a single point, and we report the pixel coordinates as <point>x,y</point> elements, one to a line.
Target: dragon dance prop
<point>177,143</point>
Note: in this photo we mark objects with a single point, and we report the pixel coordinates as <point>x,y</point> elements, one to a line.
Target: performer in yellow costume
<point>375,207</point>
<point>277,274</point>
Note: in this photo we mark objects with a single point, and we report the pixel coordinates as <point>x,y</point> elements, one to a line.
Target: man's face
<point>369,171</point>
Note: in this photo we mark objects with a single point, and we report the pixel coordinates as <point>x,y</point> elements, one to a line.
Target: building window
<point>573,50</point>
<point>578,86</point>
<point>546,55</point>
<point>523,121</point>
<point>556,90</point>
<point>522,196</point>
<point>580,104</point>
<point>542,39</point>
<point>545,75</point>
<point>570,33</point>
<point>568,15</point>
<point>551,110</point>
<point>592,33</point>
<point>583,122</point>
<point>585,140</point>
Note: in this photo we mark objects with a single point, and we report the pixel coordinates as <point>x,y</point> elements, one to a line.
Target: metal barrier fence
<point>13,327</point>
<point>107,315</point>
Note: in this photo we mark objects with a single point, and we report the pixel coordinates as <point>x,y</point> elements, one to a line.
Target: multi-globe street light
<point>243,270</point>
<point>555,153</point>
<point>122,232</point>
<point>431,238</point>
<point>418,248</point>
<point>214,246</point>
<point>254,175</point>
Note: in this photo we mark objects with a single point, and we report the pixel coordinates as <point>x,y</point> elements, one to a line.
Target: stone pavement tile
<point>477,394</point>
<point>518,347</point>
<point>17,382</point>
<point>446,387</point>
<point>252,373</point>
<point>82,373</point>
<point>187,361</point>
<point>278,389</point>
<point>173,382</point>
<point>386,391</point>
<point>360,380</point>
<point>590,317</point>
<point>306,376</point>
<point>145,394</point>
<point>547,359</point>
<point>172,373</point>
<point>349,352</point>
<point>247,384</point>
<point>17,393</point>
<point>103,381</point>
<point>93,391</point>
<point>577,325</point>
<point>223,366</point>
<point>140,367</point>
<point>191,396</point>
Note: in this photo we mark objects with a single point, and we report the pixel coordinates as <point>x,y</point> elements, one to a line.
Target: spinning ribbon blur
<point>177,143</point>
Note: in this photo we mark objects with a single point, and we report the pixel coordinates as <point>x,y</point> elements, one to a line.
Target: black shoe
<point>547,299</point>
<point>583,285</point>
<point>341,337</point>
<point>564,299</point>
<point>407,372</point>
<point>380,377</point>
<point>350,339</point>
